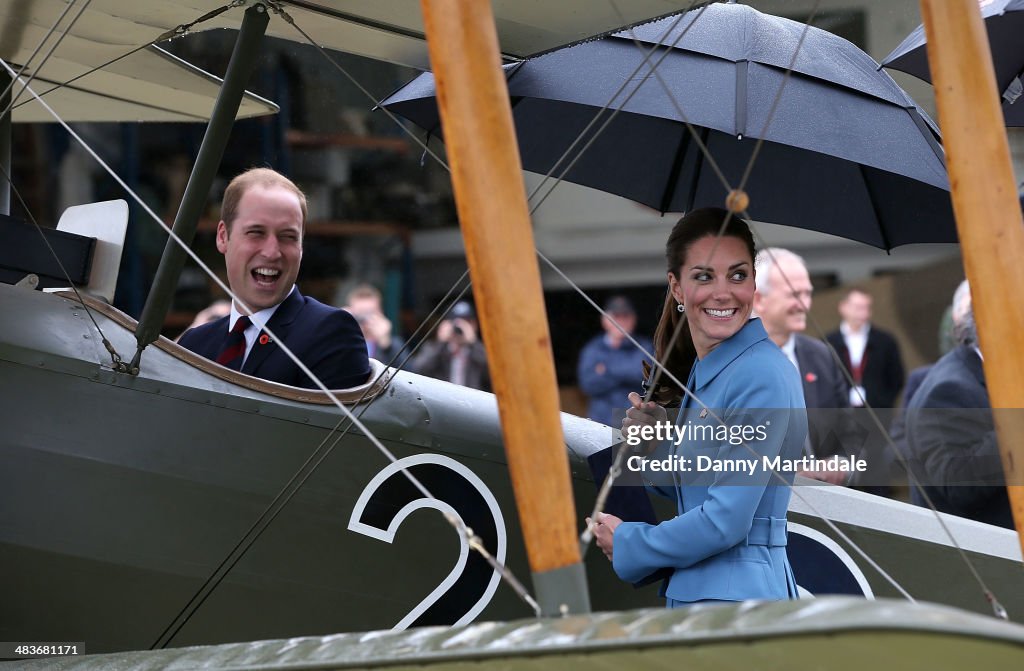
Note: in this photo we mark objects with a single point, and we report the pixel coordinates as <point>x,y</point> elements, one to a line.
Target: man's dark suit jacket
<point>952,442</point>
<point>883,370</point>
<point>327,340</point>
<point>898,428</point>
<point>824,388</point>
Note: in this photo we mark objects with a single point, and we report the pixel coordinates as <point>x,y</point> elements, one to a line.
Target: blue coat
<point>622,372</point>
<point>728,540</point>
<point>326,339</point>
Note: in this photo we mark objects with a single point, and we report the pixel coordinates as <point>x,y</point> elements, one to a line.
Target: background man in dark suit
<point>783,297</point>
<point>950,430</point>
<point>870,354</point>
<point>260,236</point>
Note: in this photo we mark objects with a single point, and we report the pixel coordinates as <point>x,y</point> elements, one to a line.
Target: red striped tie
<point>234,347</point>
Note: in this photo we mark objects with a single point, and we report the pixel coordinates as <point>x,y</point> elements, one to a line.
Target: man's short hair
<point>263,177</point>
<point>855,290</point>
<point>363,291</point>
<point>965,332</point>
<point>769,258</point>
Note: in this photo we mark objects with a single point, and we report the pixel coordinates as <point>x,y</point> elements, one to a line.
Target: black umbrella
<point>1004,23</point>
<point>847,152</point>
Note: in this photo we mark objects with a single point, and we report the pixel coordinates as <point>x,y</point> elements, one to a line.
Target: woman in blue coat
<point>745,409</point>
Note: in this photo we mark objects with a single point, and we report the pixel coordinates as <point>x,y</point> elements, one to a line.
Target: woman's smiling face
<point>716,284</point>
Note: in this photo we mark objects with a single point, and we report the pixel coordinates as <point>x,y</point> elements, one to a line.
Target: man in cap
<point>456,355</point>
<point>610,366</point>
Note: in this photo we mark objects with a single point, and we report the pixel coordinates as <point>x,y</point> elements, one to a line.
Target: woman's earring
<point>681,308</point>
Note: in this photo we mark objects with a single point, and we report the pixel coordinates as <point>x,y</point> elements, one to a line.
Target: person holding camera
<point>456,355</point>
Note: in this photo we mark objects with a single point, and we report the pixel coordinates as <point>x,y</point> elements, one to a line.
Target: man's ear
<point>222,237</point>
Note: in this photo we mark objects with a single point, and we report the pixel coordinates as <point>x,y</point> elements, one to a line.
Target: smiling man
<point>260,236</point>
<point>782,300</point>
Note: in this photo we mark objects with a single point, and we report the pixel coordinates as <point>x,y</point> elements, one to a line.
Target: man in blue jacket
<point>260,235</point>
<point>610,366</point>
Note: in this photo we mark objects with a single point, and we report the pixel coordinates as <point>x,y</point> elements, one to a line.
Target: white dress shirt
<point>789,349</point>
<point>856,342</point>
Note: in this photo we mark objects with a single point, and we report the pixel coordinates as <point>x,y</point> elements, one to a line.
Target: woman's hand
<point>643,413</point>
<point>604,532</point>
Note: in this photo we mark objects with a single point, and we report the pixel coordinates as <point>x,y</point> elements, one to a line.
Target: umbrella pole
<point>988,214</point>
<point>491,200</point>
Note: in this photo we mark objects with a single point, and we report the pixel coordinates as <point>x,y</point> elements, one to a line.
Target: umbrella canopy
<point>1004,22</point>
<point>847,152</point>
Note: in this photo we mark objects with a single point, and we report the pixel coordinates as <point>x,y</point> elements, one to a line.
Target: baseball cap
<point>619,305</point>
<point>461,310</point>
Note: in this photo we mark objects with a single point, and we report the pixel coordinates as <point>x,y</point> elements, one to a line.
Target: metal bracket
<point>30,281</point>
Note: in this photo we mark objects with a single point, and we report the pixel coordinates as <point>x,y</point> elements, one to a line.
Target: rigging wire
<point>275,6</point>
<point>226,565</point>
<point>653,69</point>
<point>585,537</point>
<point>10,84</point>
<point>117,363</point>
<point>989,595</point>
<point>659,368</point>
<point>997,607</point>
<point>49,53</point>
<point>475,542</point>
<point>173,33</point>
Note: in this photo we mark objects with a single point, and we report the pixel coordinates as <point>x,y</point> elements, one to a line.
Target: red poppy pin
<point>264,339</point>
<point>811,377</point>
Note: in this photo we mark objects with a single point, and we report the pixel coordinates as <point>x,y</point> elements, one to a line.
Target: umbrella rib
<point>705,152</point>
<point>682,147</point>
<point>615,112</point>
<point>874,210</point>
<point>742,69</point>
<point>778,96</point>
<point>928,133</point>
<point>704,158</point>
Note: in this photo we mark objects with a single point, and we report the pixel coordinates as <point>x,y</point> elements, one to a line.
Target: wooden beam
<point>988,214</point>
<point>491,200</point>
<point>300,139</point>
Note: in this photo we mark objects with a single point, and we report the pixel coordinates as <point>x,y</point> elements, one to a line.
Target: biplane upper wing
<point>152,85</point>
